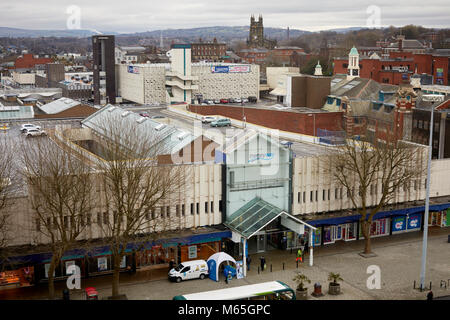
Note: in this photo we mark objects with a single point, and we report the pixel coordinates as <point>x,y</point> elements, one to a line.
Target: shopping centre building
<point>181,80</point>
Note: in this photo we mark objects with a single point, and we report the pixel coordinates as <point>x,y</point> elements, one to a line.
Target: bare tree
<point>61,195</point>
<point>380,168</point>
<point>134,185</point>
<point>7,182</point>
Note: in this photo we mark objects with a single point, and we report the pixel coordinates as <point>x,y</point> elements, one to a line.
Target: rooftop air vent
<point>160,127</point>
<point>125,114</point>
<point>140,120</point>
<point>111,109</point>
<point>182,135</point>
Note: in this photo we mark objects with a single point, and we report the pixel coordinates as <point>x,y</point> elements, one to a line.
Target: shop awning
<point>257,214</point>
<point>278,92</point>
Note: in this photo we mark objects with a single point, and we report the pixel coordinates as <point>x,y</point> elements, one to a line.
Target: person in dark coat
<point>263,262</point>
<point>248,263</point>
<point>430,296</point>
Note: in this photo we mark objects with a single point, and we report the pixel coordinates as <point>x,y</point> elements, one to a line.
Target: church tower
<point>353,64</point>
<point>256,36</point>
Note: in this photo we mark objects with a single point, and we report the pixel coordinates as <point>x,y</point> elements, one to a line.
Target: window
<point>328,194</point>
<point>323,195</point>
<point>183,209</point>
<point>311,197</point>
<point>99,217</point>
<point>88,219</point>
<point>304,196</point>
<point>105,217</point>
<point>420,124</point>
<point>153,213</point>
<point>212,206</point>
<point>38,224</point>
<point>298,197</point>
<point>415,123</point>
<point>426,125</point>
<point>336,193</point>
<point>168,211</point>
<point>161,212</point>
<point>220,206</point>
<point>317,193</point>
<point>231,178</point>
<point>206,207</point>
<point>192,208</point>
<point>198,208</point>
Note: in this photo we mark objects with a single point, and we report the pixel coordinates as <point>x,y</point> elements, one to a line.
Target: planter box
<point>334,288</point>
<point>301,295</point>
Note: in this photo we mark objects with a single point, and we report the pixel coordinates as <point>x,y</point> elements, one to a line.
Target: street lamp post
<point>431,98</point>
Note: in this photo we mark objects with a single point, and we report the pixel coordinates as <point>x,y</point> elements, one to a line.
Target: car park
<point>224,122</point>
<point>196,269</point>
<point>27,126</point>
<point>35,133</point>
<point>208,119</point>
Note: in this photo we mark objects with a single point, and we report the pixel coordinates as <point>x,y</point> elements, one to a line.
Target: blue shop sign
<point>398,224</point>
<point>414,221</point>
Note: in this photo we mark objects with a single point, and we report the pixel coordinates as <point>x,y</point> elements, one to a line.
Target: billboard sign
<point>133,69</point>
<point>230,69</point>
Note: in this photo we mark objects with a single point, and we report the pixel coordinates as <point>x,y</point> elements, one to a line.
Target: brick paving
<point>397,256</point>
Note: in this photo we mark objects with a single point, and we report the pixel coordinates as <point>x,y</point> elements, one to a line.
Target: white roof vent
<point>182,135</point>
<point>160,127</point>
<point>111,109</point>
<point>141,119</point>
<point>125,114</point>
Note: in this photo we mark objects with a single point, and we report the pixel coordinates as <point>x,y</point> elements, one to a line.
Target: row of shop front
<point>33,269</point>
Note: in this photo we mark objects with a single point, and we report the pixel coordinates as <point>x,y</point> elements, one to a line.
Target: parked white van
<point>189,270</point>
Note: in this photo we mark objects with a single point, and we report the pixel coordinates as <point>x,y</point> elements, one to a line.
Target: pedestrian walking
<point>430,296</point>
<point>171,264</point>
<point>248,263</point>
<point>306,248</point>
<point>263,263</point>
<point>299,255</point>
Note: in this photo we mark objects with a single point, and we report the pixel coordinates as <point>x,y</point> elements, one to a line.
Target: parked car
<point>238,100</point>
<point>196,269</point>
<point>158,117</point>
<point>210,102</point>
<point>244,100</point>
<point>27,126</point>
<point>225,122</point>
<point>216,101</point>
<point>252,99</point>
<point>144,114</point>
<point>223,100</point>
<point>208,119</point>
<point>35,133</point>
<point>231,100</point>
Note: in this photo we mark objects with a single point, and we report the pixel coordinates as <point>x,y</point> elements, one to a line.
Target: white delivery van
<point>189,270</point>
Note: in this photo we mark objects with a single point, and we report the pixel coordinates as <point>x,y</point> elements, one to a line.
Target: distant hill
<point>221,33</point>
<point>28,33</point>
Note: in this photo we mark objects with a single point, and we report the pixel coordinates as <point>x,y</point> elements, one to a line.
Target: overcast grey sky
<point>143,15</point>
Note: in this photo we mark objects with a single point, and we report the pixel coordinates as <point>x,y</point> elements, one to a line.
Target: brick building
<point>398,67</point>
<point>29,61</point>
<point>209,51</point>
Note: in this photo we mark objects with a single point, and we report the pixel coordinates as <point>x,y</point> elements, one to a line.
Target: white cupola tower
<point>353,64</point>
<point>318,70</point>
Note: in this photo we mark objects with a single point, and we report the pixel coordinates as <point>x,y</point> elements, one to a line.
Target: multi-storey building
<point>208,51</point>
<point>104,69</point>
